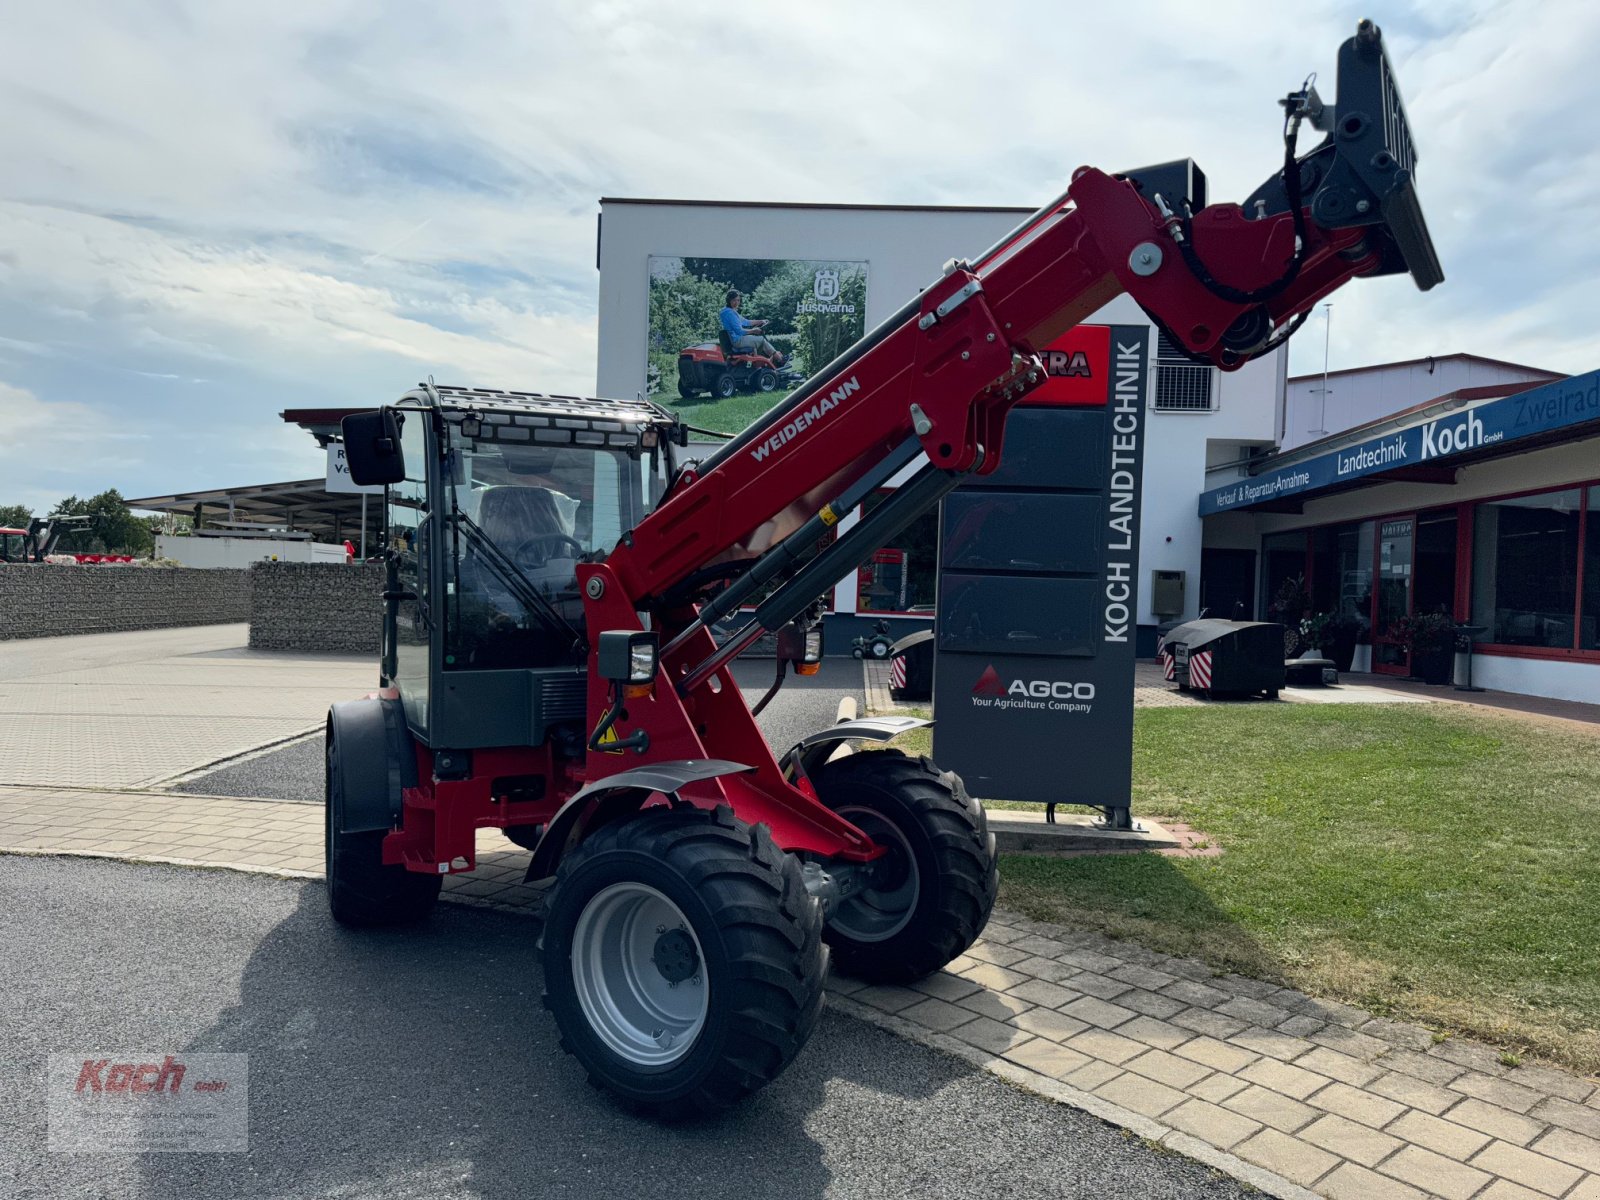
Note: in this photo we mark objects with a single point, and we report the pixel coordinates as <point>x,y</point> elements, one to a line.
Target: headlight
<point>627,656</point>
<point>813,652</point>
<point>642,662</point>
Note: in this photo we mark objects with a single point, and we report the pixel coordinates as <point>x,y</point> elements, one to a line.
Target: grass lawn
<point>723,416</point>
<point>1424,861</point>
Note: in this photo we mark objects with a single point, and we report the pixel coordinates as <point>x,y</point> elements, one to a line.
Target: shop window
<point>1182,385</point>
<point>1525,569</point>
<point>1283,558</point>
<point>900,578</point>
<point>1589,614</point>
<point>1341,571</point>
<point>1436,563</point>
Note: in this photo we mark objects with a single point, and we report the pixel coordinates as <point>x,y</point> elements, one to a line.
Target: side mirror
<point>372,447</point>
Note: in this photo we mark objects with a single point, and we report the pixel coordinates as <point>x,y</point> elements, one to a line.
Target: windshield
<point>11,546</point>
<point>529,515</point>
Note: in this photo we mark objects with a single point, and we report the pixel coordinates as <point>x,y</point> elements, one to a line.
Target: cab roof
<point>576,408</point>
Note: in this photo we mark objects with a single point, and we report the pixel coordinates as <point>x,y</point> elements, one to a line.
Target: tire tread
<point>777,962</point>
<point>956,831</point>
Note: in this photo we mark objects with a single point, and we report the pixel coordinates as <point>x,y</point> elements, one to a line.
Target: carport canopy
<point>303,505</point>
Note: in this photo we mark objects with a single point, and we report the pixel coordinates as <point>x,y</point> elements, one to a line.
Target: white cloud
<point>324,201</point>
<point>45,445</point>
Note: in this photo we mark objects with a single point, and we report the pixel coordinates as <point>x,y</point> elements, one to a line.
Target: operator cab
<point>13,545</point>
<point>493,500</point>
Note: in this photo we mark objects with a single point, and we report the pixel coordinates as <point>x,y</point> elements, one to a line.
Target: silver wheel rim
<point>630,999</point>
<point>875,914</point>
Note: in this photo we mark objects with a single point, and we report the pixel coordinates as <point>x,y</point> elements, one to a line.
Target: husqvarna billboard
<point>730,337</point>
<point>1033,676</point>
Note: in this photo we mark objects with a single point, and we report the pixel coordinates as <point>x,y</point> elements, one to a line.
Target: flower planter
<point>1432,664</point>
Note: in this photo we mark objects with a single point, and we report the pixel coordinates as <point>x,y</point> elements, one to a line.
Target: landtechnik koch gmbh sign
<point>1559,405</point>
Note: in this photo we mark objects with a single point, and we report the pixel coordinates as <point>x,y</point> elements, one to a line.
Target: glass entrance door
<point>1396,544</point>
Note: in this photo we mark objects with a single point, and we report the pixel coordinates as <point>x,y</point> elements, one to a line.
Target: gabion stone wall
<point>316,606</point>
<point>44,600</point>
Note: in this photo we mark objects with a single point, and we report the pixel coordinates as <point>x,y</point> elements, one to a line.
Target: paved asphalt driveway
<point>421,1064</point>
<point>805,705</point>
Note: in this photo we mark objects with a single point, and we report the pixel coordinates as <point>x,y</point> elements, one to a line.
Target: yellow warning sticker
<point>610,738</point>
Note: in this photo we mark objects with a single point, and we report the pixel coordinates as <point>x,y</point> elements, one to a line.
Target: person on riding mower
<point>739,327</point>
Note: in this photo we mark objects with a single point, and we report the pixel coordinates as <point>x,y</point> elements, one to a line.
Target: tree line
<point>112,527</point>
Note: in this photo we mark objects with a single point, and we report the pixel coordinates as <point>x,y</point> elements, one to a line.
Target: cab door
<point>412,527</point>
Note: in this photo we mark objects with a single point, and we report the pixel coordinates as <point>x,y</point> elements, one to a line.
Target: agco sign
<point>1051,695</point>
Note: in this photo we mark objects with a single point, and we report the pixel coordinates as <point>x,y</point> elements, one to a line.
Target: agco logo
<point>826,286</point>
<point>1054,695</point>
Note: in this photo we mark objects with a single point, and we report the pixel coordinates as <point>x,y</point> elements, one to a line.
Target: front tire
<point>683,958</point>
<point>362,891</point>
<point>937,887</point>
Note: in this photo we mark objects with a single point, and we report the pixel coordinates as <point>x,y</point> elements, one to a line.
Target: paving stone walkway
<point>119,710</point>
<point>1300,1097</point>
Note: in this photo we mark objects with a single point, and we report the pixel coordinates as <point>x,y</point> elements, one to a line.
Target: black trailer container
<point>1233,658</point>
<point>911,667</point>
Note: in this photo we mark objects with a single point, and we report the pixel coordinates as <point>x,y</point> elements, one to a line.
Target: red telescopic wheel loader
<point>556,568</point>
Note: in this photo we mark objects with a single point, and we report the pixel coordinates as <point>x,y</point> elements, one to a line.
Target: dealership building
<point>1476,494</point>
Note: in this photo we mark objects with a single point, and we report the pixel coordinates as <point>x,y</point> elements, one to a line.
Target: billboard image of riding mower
<point>730,337</point>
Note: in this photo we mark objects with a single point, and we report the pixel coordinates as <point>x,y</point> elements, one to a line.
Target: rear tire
<point>724,386</point>
<point>941,875</point>
<point>362,891</point>
<point>649,911</point>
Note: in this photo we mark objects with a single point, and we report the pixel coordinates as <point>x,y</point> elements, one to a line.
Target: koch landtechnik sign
<point>1554,406</point>
<point>1037,562</point>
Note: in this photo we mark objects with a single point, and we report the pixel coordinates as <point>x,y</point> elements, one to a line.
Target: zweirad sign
<point>1558,405</point>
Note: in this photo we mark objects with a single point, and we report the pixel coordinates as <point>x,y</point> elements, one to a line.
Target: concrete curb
<point>167,782</point>
<point>1053,1089</point>
<point>152,860</point>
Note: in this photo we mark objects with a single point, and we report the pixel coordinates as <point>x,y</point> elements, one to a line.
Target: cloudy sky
<point>212,211</point>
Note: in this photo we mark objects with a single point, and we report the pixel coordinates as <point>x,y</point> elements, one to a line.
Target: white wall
<point>1245,411</point>
<point>904,250</point>
<point>241,552</point>
<point>1365,394</point>
<point>1538,677</point>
